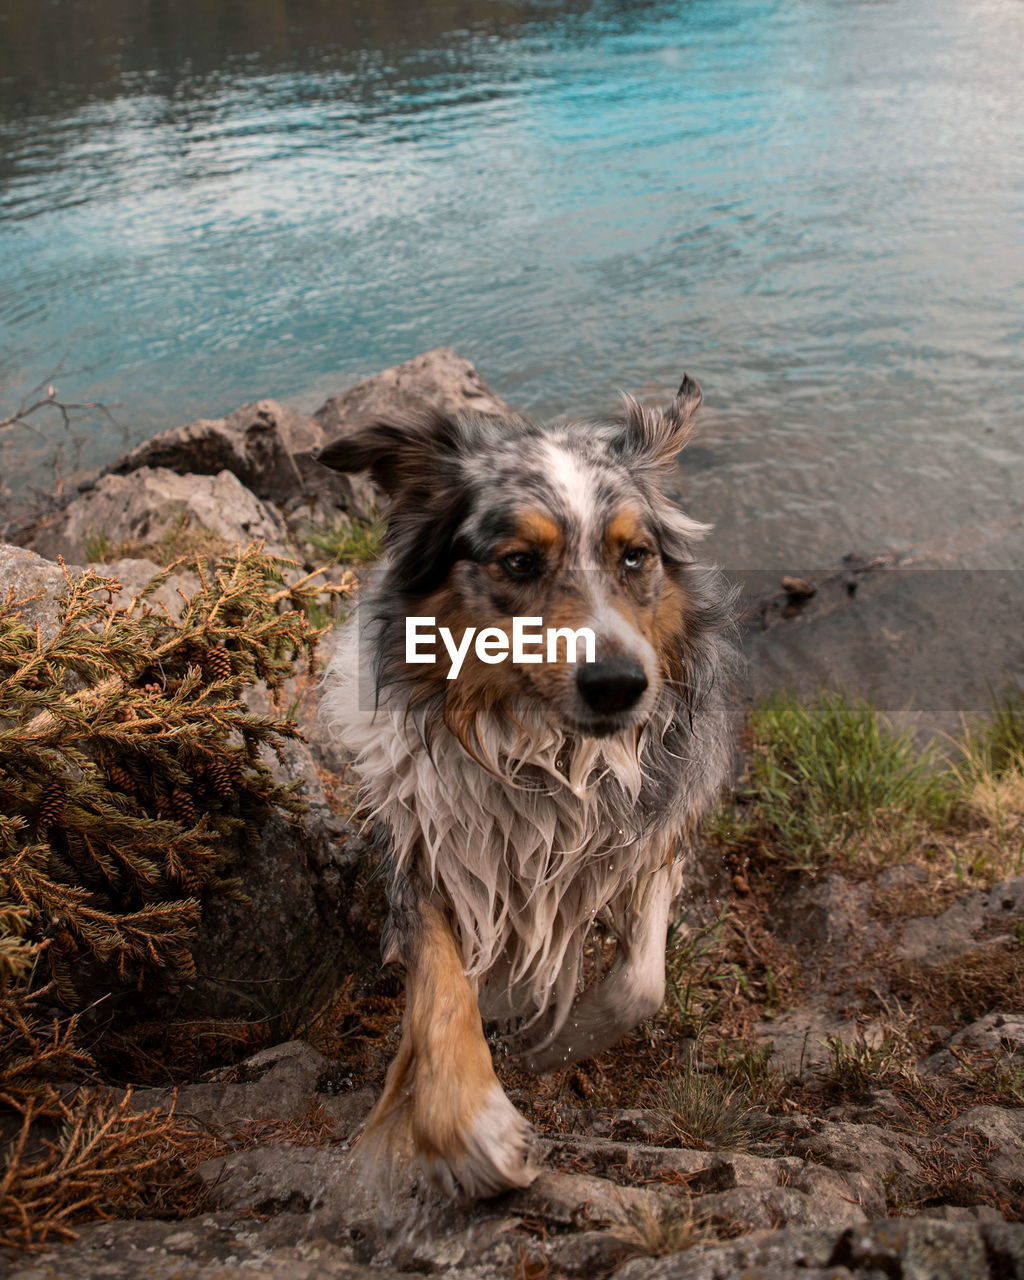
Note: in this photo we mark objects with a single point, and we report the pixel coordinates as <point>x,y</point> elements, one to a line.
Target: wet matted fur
<point>521,802</point>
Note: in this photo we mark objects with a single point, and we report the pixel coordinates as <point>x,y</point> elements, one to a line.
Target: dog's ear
<point>654,437</point>
<point>400,452</point>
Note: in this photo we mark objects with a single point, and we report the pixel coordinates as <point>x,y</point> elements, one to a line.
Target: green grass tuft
<point>711,1111</point>
<point>824,776</point>
<point>1001,736</point>
<point>697,972</point>
<point>854,1068</point>
<point>97,547</point>
<point>350,541</point>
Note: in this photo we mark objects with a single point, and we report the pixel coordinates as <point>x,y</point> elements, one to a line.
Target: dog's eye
<point>521,564</point>
<point>635,558</point>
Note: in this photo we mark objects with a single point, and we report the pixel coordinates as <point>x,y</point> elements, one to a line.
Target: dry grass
<point>964,988</point>
<point>861,1066</point>
<point>990,843</point>
<point>174,1052</point>
<point>698,974</point>
<point>316,1128</point>
<point>957,1176</point>
<point>712,1111</point>
<point>725,975</point>
<point>34,1048</point>
<point>95,1157</point>
<point>997,1078</point>
<point>357,1023</point>
<point>180,538</point>
<point>660,1233</point>
<point>904,902</point>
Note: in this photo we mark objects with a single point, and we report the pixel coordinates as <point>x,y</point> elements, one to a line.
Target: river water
<point>815,207</point>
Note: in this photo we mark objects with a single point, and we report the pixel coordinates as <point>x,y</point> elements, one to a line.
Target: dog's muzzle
<point>615,684</point>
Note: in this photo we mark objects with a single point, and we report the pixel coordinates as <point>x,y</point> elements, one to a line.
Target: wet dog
<point>535,792</point>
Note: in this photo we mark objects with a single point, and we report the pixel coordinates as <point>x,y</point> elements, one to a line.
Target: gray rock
<point>1004,1244</point>
<point>982,1213</point>
<point>587,1253</point>
<point>863,1148</point>
<point>632,1124</point>
<point>37,582</point>
<point>696,1172</point>
<point>964,926</point>
<point>999,1035</point>
<point>255,443</point>
<point>764,1255</point>
<point>799,1036</point>
<point>913,1249</point>
<point>777,1207</point>
<point>578,1200</point>
<point>901,876</point>
<point>828,911</point>
<point>281,1083</point>
<point>285,949</point>
<point>431,1245</point>
<point>145,504</point>
<point>326,1187</point>
<point>998,1134</point>
<point>890,639</point>
<point>217,1246</point>
<point>994,1033</point>
<point>277,1179</point>
<point>729,1187</point>
<point>325,496</point>
<point>706,1174</point>
<point>922,1249</point>
<point>299,1246</point>
<point>438,379</point>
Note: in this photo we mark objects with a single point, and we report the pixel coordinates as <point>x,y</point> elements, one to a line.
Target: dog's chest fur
<point>527,860</point>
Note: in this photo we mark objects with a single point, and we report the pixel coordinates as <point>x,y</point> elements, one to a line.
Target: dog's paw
<point>490,1153</point>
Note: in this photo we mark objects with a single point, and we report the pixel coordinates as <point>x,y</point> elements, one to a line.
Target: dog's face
<point>498,520</point>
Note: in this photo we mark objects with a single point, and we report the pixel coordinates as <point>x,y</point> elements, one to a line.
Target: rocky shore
<point>871,1119</point>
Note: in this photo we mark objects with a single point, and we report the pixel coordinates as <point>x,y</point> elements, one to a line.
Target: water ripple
<point>815,208</point>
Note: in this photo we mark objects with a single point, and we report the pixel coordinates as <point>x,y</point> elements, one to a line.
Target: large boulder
<point>438,379</point>
<point>256,443</point>
<point>154,505</point>
<point>272,450</point>
<point>281,952</point>
<point>34,580</point>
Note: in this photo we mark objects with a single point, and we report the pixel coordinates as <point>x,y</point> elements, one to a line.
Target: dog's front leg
<point>442,1105</point>
<point>634,988</point>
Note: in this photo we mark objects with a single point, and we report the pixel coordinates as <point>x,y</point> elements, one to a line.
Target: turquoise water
<point>816,207</point>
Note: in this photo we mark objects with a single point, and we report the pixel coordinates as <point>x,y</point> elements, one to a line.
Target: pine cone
<point>51,803</point>
<point>220,775</point>
<point>183,805</point>
<point>121,778</point>
<point>219,662</point>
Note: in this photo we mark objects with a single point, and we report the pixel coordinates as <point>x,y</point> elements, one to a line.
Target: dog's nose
<point>612,685</point>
